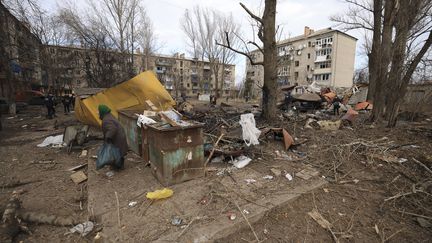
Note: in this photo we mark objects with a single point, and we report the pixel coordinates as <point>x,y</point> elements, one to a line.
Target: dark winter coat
<point>114,131</point>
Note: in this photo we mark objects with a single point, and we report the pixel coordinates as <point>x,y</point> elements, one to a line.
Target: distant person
<point>49,104</point>
<point>247,98</point>
<point>66,100</point>
<point>113,133</point>
<point>288,100</point>
<point>336,106</point>
<point>73,101</point>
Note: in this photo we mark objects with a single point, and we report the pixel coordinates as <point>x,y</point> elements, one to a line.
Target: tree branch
<point>413,65</point>
<point>258,19</point>
<point>257,46</point>
<point>228,45</point>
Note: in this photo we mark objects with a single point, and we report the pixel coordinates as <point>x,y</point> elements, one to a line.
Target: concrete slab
<point>222,226</point>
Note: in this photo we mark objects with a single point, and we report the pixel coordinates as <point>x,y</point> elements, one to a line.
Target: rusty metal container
<point>176,154</point>
<point>128,121</point>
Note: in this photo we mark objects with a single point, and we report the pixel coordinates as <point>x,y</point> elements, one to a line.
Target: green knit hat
<point>103,110</point>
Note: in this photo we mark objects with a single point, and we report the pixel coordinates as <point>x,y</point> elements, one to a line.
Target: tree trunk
<point>386,50</point>
<point>215,69</point>
<point>269,99</point>
<point>375,55</point>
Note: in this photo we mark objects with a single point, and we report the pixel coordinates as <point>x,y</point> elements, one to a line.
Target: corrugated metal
<point>176,154</point>
<point>128,121</point>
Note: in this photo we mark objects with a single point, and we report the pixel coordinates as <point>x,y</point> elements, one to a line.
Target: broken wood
<point>422,165</point>
<point>169,120</point>
<point>77,167</point>
<point>151,105</point>
<point>17,183</point>
<point>211,153</point>
<point>315,215</point>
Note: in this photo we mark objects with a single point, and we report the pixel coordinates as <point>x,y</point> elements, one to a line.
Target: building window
<point>308,55</point>
<point>181,63</point>
<point>307,67</point>
<point>326,64</point>
<point>283,71</point>
<point>297,63</point>
<point>188,85</point>
<point>322,77</point>
<point>309,44</point>
<point>324,52</point>
<point>296,75</point>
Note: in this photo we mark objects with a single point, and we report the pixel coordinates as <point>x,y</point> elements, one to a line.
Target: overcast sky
<point>292,15</point>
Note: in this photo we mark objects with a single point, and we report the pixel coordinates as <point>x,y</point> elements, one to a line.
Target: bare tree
<point>402,35</point>
<point>267,34</point>
<point>146,37</point>
<point>202,27</point>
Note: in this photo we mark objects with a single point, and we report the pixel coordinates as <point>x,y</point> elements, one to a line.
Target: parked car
<point>31,97</point>
<point>4,106</point>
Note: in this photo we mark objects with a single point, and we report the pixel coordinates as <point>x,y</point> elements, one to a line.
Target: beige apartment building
<point>179,74</point>
<point>191,76</point>
<point>325,57</point>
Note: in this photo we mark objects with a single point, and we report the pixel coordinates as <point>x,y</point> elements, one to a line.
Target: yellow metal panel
<point>134,92</point>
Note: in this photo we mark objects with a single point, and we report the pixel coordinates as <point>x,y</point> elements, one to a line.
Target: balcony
<point>164,62</point>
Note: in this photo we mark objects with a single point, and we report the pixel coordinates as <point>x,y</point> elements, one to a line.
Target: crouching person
<point>113,134</point>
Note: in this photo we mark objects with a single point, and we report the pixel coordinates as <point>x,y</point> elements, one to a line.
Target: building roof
<point>314,34</point>
<point>156,55</point>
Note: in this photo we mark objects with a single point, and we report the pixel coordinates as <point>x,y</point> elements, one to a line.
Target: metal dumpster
<point>128,120</point>
<point>176,154</point>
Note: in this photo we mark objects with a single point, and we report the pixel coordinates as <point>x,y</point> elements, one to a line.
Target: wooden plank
<point>151,105</point>
<point>169,120</point>
<point>77,167</point>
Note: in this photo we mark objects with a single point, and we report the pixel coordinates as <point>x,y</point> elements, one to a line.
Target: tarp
<point>363,106</point>
<point>132,93</point>
<point>329,96</point>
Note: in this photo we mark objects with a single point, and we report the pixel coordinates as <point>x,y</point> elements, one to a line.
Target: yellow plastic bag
<point>160,194</point>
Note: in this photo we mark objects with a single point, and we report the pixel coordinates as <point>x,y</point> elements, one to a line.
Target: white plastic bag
<point>83,228</point>
<point>52,140</point>
<point>250,132</point>
<point>241,161</point>
<point>144,120</point>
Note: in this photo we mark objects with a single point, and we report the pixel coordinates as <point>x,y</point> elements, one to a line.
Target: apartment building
<point>72,67</point>
<point>325,57</point>
<point>191,76</point>
<point>20,67</point>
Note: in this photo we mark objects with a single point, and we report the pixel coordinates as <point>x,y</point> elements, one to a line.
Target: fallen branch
<point>414,214</point>
<point>247,221</point>
<point>325,224</point>
<point>423,165</point>
<point>211,153</point>
<point>17,183</point>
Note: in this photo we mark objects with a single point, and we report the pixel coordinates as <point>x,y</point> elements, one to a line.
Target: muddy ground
<point>372,195</point>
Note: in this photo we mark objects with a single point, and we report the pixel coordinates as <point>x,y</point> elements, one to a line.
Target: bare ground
<point>357,201</point>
